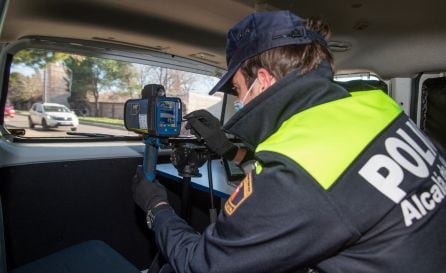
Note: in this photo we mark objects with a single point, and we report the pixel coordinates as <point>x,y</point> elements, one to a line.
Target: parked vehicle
<point>52,115</point>
<point>9,111</point>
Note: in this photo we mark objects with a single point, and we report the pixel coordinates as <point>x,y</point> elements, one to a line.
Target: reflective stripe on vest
<point>325,139</point>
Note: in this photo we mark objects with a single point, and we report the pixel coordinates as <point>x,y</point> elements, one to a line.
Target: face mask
<point>238,104</point>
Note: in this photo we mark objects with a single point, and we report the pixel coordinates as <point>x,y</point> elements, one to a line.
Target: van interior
<point>66,195</point>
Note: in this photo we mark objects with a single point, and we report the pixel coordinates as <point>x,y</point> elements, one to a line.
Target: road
<point>21,121</point>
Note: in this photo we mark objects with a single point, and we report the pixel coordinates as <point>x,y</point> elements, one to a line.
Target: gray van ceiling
<point>393,38</point>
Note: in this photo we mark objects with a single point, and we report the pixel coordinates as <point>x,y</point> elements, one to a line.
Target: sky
<point>23,69</point>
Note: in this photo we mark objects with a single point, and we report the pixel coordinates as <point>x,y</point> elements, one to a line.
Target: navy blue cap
<point>260,32</point>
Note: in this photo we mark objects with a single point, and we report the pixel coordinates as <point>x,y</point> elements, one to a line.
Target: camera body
<point>159,118</point>
<point>154,114</point>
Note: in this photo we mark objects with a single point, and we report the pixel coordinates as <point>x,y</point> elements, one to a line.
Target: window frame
<point>95,49</point>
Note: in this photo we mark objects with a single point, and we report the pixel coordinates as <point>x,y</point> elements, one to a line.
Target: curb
<point>104,125</point>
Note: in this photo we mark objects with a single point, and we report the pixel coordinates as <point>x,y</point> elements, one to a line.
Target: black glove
<point>203,124</point>
<point>147,194</point>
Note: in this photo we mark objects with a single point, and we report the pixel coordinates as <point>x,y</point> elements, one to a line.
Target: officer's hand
<point>203,124</point>
<point>147,194</point>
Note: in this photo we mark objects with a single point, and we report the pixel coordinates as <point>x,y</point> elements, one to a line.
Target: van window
<point>50,91</point>
<point>361,82</point>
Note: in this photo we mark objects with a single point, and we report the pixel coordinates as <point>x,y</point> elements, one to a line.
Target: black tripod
<point>188,157</point>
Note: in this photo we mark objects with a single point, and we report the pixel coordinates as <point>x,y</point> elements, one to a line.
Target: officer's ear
<point>265,78</point>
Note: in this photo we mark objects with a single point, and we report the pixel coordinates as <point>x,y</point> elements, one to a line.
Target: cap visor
<point>225,84</point>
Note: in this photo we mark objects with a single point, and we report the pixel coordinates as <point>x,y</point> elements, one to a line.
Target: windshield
<point>55,109</point>
<point>94,90</point>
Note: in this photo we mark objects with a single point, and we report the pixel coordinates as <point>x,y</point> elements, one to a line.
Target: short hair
<point>280,61</point>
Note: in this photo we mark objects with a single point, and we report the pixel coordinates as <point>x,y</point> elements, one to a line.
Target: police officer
<point>343,182</point>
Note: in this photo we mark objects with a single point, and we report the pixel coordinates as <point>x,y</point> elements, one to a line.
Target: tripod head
<point>188,155</point>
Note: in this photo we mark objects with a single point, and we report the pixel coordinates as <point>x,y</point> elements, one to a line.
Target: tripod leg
<point>185,199</point>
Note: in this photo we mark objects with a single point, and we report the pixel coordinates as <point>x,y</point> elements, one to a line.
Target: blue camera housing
<point>155,116</point>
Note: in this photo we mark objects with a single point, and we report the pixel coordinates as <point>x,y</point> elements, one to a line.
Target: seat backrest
<point>2,243</point>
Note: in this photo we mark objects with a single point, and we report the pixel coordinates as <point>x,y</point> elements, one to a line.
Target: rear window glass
<point>356,77</point>
<point>53,94</point>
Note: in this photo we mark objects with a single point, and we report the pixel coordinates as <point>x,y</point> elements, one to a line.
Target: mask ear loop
<point>249,91</point>
<point>238,104</point>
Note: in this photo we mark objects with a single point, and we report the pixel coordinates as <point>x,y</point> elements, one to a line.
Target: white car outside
<point>52,115</point>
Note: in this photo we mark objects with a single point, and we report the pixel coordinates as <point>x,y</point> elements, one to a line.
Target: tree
<point>17,88</point>
<point>81,81</point>
<point>38,58</point>
<point>175,82</point>
<point>94,75</point>
<point>127,75</point>
<point>24,90</point>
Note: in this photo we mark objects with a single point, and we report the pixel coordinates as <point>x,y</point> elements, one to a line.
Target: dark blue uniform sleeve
<point>274,222</point>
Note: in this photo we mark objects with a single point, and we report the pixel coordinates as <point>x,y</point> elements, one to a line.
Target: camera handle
<point>150,157</point>
<point>186,158</point>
